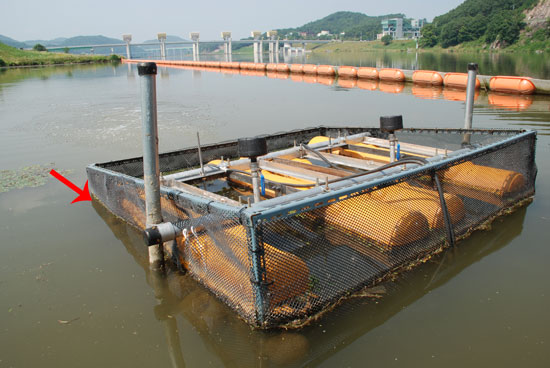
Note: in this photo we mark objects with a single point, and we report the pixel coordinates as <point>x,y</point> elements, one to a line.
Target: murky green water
<point>73,285</point>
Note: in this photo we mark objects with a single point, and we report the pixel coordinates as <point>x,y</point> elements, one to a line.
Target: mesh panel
<point>293,259</point>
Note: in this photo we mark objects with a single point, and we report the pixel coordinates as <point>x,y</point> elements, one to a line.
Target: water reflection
<point>237,345</point>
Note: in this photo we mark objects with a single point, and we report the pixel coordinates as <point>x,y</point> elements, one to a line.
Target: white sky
<point>48,19</point>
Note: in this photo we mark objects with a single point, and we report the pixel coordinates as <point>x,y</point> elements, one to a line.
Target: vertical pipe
<point>230,51</point>
<point>470,93</point>
<point>255,173</point>
<point>392,147</point>
<point>258,271</point>
<point>200,153</point>
<point>151,170</point>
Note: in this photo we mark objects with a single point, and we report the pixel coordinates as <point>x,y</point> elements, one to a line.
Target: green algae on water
<point>26,177</point>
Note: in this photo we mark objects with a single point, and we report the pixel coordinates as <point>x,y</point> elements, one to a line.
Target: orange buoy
<point>391,87</point>
<point>296,68</point>
<point>512,85</point>
<point>347,72</point>
<point>297,77</point>
<point>484,178</point>
<point>282,68</point>
<point>326,70</point>
<point>310,69</point>
<point>458,80</point>
<point>309,78</point>
<point>259,66</point>
<point>235,65</point>
<point>392,75</point>
<point>282,75</point>
<point>457,95</point>
<point>398,226</point>
<point>427,92</point>
<point>271,67</point>
<point>512,102</point>
<point>347,83</point>
<point>369,85</point>
<point>368,73</point>
<point>427,77</point>
<point>327,80</point>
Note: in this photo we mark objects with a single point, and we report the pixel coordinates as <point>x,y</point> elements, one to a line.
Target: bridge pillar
<point>128,38</point>
<point>272,35</point>
<point>195,38</point>
<point>227,46</point>
<point>256,35</point>
<point>162,39</point>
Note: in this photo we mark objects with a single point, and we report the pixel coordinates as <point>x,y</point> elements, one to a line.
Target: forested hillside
<point>353,25</point>
<point>495,22</point>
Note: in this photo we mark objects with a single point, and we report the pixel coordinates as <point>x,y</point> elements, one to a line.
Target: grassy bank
<point>362,46</point>
<point>524,45</point>
<point>10,56</point>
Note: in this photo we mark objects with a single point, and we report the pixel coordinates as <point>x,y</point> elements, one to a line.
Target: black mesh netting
<point>290,267</point>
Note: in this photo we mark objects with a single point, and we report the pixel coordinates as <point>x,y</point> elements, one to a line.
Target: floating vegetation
<point>26,177</point>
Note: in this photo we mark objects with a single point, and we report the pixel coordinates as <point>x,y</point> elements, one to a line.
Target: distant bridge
<point>273,41</point>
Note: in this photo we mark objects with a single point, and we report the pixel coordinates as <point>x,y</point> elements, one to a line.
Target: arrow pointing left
<point>83,194</point>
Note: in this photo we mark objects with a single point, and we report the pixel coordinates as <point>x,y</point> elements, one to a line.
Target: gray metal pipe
<point>470,93</point>
<point>255,173</point>
<point>151,170</point>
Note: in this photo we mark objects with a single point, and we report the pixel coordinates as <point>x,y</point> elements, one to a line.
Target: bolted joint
<point>159,233</point>
<point>148,68</point>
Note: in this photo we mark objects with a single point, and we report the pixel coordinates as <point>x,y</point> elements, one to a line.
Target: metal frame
<point>293,204</point>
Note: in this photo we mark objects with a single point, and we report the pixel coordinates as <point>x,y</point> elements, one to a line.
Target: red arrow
<point>83,194</point>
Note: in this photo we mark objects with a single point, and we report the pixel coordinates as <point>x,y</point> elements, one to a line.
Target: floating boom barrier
<point>500,84</point>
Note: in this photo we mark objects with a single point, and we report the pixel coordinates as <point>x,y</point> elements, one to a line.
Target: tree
<point>386,39</point>
<point>39,47</point>
<point>66,50</point>
<point>429,38</point>
<point>449,34</point>
<point>505,27</point>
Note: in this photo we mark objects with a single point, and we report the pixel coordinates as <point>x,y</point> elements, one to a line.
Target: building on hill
<point>392,27</point>
<point>400,28</point>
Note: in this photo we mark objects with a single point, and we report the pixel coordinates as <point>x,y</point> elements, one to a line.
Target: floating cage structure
<point>335,216</point>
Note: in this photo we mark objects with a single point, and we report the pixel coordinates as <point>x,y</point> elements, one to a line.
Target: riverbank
<point>12,57</point>
<point>524,45</point>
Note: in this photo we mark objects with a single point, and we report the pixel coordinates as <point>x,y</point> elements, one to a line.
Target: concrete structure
<point>127,38</point>
<point>392,27</point>
<point>227,47</point>
<point>162,39</point>
<point>257,51</point>
<point>195,38</point>
<point>413,31</point>
<point>273,46</point>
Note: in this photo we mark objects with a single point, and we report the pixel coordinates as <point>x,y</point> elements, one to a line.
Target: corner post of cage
<point>256,254</point>
<point>151,168</point>
<point>449,229</point>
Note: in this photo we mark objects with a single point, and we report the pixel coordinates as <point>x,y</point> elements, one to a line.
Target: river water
<point>74,290</point>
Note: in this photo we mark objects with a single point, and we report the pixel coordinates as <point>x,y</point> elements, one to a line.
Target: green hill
<point>11,42</point>
<point>498,23</point>
<point>353,25</point>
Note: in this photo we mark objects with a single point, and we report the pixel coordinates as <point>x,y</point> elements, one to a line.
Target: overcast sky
<point>48,19</point>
